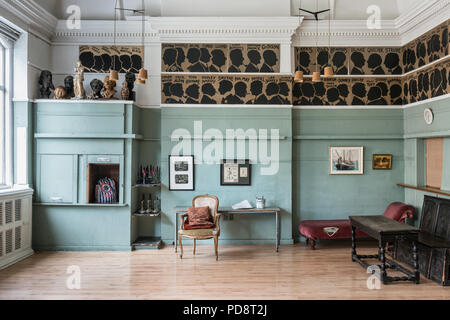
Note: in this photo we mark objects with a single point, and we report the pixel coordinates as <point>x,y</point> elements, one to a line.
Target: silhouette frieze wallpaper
<point>218,58</point>
<point>225,89</point>
<point>101,59</point>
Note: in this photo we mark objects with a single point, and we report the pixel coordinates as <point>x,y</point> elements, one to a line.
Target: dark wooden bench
<point>434,241</point>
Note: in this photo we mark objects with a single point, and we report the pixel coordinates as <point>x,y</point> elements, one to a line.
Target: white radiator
<point>15,226</point>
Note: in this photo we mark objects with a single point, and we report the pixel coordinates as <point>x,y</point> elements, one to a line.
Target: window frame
<point>6,118</point>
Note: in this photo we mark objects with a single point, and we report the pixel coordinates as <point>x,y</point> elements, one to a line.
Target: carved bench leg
<point>313,244</point>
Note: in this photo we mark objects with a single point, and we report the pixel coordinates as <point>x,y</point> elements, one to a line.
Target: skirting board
<point>169,242</point>
<point>82,248</point>
<point>6,262</point>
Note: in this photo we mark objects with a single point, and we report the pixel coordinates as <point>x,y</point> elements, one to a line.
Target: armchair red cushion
<point>399,211</point>
<point>199,216</point>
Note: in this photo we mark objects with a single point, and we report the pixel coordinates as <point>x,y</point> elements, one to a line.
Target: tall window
<point>5,112</point>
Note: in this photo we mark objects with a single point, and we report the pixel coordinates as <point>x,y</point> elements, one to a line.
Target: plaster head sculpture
<point>109,85</point>
<point>78,81</point>
<point>46,84</point>
<point>59,93</point>
<point>125,92</point>
<point>69,86</point>
<point>96,86</point>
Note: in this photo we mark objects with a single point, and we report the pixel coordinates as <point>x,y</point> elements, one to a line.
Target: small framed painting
<point>346,160</point>
<point>181,173</point>
<point>382,162</point>
<point>235,173</point>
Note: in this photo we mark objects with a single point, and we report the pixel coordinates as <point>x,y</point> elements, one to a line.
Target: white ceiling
<point>342,9</point>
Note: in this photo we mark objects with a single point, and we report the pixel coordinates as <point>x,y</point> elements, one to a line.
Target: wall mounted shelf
<point>80,204</point>
<point>426,189</point>
<point>153,185</point>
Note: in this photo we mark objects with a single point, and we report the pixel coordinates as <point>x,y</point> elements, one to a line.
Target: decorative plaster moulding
<point>31,17</point>
<point>218,29</point>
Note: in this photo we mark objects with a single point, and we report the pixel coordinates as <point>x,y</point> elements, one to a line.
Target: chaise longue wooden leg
<point>313,244</point>
<point>181,246</point>
<point>307,242</point>
<point>194,247</point>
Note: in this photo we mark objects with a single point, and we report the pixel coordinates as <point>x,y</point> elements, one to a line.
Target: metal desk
<point>228,210</point>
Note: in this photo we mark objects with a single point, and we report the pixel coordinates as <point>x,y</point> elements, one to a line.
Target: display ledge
<point>80,204</point>
<point>152,185</point>
<point>426,189</point>
<point>78,101</point>
<point>137,214</point>
<point>86,136</point>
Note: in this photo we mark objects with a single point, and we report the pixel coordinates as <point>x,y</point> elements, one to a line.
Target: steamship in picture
<point>346,160</point>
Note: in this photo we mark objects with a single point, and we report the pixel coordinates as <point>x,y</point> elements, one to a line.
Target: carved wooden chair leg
<point>181,246</point>
<point>194,246</point>
<point>216,248</point>
<point>307,242</point>
<point>313,244</point>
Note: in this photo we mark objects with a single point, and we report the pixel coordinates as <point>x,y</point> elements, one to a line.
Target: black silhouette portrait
<point>125,63</point>
<point>284,93</point>
<point>297,93</point>
<point>272,92</point>
<point>375,95</point>
<point>98,64</point>
<point>374,63</point>
<point>218,60</point>
<point>444,44</point>
<point>303,62</point>
<point>205,58</point>
<point>434,47</point>
<point>332,96</point>
<point>236,60</point>
<point>224,87</point>
<point>181,57</point>
<point>136,63</point>
<point>412,91</point>
<point>308,93</point>
<point>405,93</point>
<point>392,63</point>
<point>170,60</point>
<point>358,62</point>
<point>343,94</point>
<point>255,59</point>
<point>319,90</point>
<point>106,58</point>
<point>436,79</point>
<point>421,53</point>
<point>208,91</point>
<point>166,89</point>
<point>322,60</point>
<point>177,93</point>
<point>339,62</point>
<point>270,60</point>
<point>87,59</point>
<point>256,89</point>
<point>193,56</point>
<point>395,94</point>
<point>411,59</point>
<point>359,92</point>
<point>240,91</point>
<point>192,94</point>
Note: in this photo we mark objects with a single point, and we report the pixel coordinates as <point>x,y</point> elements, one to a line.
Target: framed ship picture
<point>346,160</point>
<point>181,173</point>
<point>235,173</point>
<point>382,162</point>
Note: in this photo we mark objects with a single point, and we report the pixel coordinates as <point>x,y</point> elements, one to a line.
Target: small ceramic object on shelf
<point>125,92</point>
<point>109,85</point>
<point>59,93</point>
<point>149,204</point>
<point>142,209</point>
<point>68,85</point>
<point>78,81</point>
<point>97,87</point>
<point>156,205</point>
<point>260,203</point>
<point>130,78</point>
<point>46,84</point>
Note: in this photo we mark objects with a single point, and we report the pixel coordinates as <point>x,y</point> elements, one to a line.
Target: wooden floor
<point>242,272</point>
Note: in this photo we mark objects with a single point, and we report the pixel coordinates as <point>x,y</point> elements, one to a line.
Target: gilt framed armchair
<point>208,231</point>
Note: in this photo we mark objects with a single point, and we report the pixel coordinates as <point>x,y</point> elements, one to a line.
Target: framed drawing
<point>181,173</point>
<point>382,162</point>
<point>235,173</point>
<point>346,160</point>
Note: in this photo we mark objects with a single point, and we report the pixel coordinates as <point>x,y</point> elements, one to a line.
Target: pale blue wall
<point>319,195</point>
<point>276,189</point>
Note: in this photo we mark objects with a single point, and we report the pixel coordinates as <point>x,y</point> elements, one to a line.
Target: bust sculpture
<point>109,85</point>
<point>130,78</point>
<point>96,86</point>
<point>68,85</point>
<point>125,92</point>
<point>59,93</point>
<point>46,84</point>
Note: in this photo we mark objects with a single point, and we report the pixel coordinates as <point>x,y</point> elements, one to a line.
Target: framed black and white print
<point>235,173</point>
<point>181,173</point>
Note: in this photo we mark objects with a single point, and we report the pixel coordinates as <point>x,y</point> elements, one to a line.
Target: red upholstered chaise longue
<point>313,230</point>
